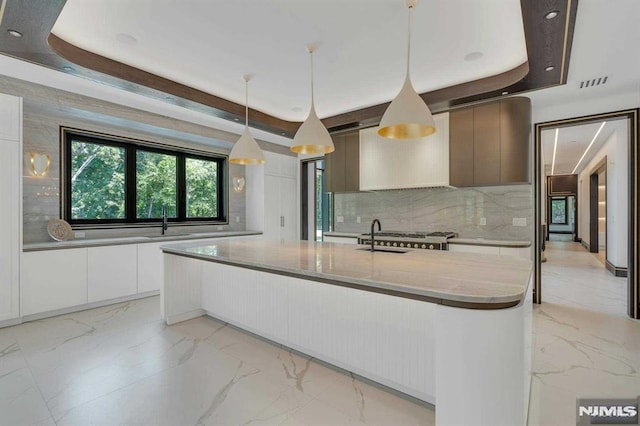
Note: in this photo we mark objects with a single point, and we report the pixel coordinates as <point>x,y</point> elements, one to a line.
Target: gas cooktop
<point>418,235</point>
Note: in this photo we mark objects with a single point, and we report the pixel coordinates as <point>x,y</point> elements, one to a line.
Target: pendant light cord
<point>246,104</point>
<point>409,41</point>
<point>311,61</point>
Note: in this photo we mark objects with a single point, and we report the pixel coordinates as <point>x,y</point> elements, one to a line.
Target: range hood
<point>393,164</point>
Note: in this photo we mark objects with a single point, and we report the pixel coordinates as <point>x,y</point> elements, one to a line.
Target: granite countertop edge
<point>102,242</point>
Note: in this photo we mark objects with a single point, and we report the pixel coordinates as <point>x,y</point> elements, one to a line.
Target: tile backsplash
<point>438,209</point>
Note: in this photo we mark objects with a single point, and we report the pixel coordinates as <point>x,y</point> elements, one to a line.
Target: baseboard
<point>10,322</point>
<point>585,245</point>
<point>615,270</point>
<point>560,232</point>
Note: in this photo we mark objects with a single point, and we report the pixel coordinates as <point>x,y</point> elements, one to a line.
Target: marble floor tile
<point>585,344</point>
<point>121,365</point>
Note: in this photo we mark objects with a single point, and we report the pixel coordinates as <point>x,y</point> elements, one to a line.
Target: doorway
<point>317,204</point>
<point>627,182</point>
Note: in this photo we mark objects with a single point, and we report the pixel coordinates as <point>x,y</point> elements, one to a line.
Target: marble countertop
<point>488,242</point>
<point>450,278</point>
<point>99,242</point>
<point>342,234</point>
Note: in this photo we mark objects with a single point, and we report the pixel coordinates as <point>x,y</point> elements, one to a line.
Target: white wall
<point>615,149</point>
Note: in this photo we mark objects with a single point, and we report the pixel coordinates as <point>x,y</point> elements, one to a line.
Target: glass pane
<point>155,184</point>
<point>559,211</point>
<point>202,188</point>
<point>97,181</point>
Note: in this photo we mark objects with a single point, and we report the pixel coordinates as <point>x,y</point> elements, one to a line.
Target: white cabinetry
<point>391,164</point>
<point>10,205</point>
<point>150,267</point>
<point>53,279</point>
<point>112,272</point>
<point>272,197</point>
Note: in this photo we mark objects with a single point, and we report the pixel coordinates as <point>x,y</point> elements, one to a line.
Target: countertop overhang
<point>466,280</point>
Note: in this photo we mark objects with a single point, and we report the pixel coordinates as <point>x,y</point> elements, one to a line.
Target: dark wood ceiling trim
<point>548,43</point>
<point>438,100</point>
<point>226,108</point>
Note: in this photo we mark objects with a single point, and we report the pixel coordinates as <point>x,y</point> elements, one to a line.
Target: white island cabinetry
<point>393,318</point>
<point>10,205</point>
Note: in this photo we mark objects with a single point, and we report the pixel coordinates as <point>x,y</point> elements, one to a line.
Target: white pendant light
<point>246,151</point>
<point>408,117</point>
<point>312,137</point>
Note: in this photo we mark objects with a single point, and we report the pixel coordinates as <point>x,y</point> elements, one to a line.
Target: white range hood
<point>393,164</point>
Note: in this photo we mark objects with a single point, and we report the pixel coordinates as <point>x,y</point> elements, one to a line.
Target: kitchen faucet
<point>373,235</point>
<point>165,219</point>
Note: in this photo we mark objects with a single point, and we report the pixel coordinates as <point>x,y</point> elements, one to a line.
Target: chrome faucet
<point>165,219</point>
<point>373,235</point>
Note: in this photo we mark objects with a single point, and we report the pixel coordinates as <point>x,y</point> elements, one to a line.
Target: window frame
<point>566,213</point>
<point>132,146</point>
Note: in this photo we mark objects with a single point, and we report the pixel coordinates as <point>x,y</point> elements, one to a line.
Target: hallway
<point>584,343</point>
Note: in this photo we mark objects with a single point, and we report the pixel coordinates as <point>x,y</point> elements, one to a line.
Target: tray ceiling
<point>209,45</point>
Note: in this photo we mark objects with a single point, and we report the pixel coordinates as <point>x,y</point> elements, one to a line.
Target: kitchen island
<point>452,329</point>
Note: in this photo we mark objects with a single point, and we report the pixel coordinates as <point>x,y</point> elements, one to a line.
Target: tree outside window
<point>559,211</point>
<point>108,180</point>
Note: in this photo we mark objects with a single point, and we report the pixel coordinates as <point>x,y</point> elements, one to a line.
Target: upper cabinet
<point>396,164</point>
<point>342,166</point>
<point>490,143</point>
<point>10,117</point>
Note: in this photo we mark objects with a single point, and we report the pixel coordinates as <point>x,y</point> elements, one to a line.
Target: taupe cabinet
<point>489,143</point>
<point>342,166</point>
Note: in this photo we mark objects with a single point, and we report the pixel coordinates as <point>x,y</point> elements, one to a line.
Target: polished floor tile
<point>121,365</point>
<point>585,345</point>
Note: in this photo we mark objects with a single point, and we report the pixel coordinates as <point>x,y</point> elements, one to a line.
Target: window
<point>559,211</point>
<point>109,180</point>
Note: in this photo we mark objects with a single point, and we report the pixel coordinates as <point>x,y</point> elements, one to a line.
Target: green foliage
<point>156,184</point>
<point>97,181</point>
<point>202,188</point>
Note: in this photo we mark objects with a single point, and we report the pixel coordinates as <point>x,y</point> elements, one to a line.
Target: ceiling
<point>209,45</point>
<point>192,53</point>
<point>573,141</point>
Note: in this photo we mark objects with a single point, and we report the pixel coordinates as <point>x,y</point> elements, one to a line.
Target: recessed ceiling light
<point>283,133</point>
<point>551,15</point>
<point>550,68</point>
<point>473,56</point>
<point>68,68</point>
<point>126,39</point>
<point>15,33</point>
<point>236,119</point>
<point>505,93</point>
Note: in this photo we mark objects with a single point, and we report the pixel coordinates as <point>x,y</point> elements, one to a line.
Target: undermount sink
<point>385,249</point>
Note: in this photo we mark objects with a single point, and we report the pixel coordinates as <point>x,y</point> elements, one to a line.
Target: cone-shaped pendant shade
<point>246,151</point>
<point>312,137</point>
<point>407,117</point>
